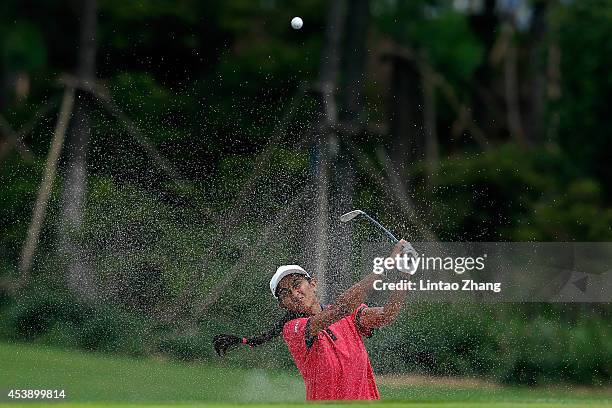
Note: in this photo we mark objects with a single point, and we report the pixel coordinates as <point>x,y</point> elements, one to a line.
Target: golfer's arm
<point>349,300</point>
<point>374,317</point>
<point>344,305</point>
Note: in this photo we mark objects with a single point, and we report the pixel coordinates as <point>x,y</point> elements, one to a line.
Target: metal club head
<point>350,215</point>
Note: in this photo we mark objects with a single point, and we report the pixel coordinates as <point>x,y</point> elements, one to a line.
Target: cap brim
<point>280,275</point>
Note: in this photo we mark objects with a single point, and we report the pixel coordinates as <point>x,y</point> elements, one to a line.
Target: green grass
<point>386,404</point>
<point>94,380</point>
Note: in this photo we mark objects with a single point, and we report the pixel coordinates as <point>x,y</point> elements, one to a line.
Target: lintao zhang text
<point>440,286</point>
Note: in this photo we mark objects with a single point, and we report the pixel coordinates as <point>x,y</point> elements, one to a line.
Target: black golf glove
<point>222,342</point>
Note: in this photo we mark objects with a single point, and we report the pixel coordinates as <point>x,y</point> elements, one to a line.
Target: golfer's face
<point>296,293</point>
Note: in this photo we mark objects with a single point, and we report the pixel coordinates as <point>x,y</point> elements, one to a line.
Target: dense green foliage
<point>535,344</point>
<point>531,345</point>
<point>93,379</point>
<point>512,195</point>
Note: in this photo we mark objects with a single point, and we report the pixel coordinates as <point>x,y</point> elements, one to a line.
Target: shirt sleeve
<point>365,332</point>
<point>295,333</point>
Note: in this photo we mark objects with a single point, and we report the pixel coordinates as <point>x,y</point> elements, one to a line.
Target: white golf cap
<point>283,271</point>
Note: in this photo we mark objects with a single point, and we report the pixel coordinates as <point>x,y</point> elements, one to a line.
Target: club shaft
<point>379,225</point>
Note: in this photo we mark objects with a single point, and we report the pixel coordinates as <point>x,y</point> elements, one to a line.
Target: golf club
<point>407,249</point>
<point>355,213</point>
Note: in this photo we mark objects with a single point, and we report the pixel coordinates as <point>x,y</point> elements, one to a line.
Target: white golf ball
<point>296,23</point>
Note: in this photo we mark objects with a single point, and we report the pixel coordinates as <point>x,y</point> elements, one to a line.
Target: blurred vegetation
<point>513,195</point>
<point>536,344</point>
<point>208,84</point>
<point>169,382</point>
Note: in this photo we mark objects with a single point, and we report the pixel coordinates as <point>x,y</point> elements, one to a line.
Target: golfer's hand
<point>222,342</point>
<point>404,248</point>
<point>398,248</point>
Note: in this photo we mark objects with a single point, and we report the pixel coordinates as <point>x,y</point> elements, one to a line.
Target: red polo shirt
<point>334,364</point>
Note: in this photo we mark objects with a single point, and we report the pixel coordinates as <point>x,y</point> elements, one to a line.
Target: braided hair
<point>223,342</point>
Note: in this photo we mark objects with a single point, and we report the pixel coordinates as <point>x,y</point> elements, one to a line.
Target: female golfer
<point>326,342</point>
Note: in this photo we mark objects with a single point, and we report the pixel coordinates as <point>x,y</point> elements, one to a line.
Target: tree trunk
<point>406,114</point>
<point>320,222</point>
<point>80,278</point>
<point>536,100</point>
<point>341,192</point>
<point>511,91</point>
<point>327,89</point>
<point>341,170</point>
<point>354,62</point>
<point>485,26</point>
<point>4,88</point>
<point>330,61</point>
<point>44,190</point>
<point>335,172</point>
<point>432,155</point>
<point>553,87</point>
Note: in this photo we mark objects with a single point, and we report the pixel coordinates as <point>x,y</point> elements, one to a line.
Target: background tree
<point>80,276</point>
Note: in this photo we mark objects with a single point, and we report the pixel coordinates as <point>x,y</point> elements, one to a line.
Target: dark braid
<point>223,342</point>
<point>275,331</point>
